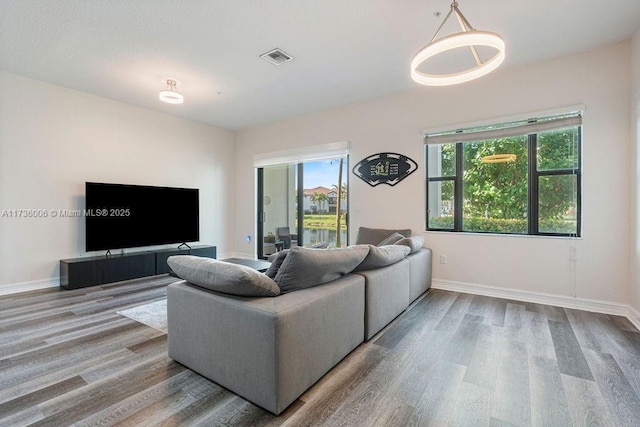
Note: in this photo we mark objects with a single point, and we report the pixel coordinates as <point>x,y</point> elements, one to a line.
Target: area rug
<point>153,314</point>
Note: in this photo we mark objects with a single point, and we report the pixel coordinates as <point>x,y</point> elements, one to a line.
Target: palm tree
<point>339,189</point>
<point>343,193</point>
<point>318,198</point>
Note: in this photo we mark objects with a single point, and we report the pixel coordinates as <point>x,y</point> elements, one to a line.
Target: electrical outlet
<point>443,259</point>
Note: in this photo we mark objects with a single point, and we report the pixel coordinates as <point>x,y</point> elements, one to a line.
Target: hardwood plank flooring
<point>571,359</point>
<point>547,393</point>
<point>512,393</point>
<point>67,358</point>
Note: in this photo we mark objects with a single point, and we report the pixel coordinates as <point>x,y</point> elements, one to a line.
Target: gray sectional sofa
<point>269,349</point>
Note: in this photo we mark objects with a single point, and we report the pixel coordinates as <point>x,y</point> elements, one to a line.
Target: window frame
<point>533,191</point>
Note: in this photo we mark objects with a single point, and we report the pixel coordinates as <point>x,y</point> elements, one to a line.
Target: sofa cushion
<point>373,236</point>
<point>276,261</point>
<point>305,267</point>
<point>414,243</point>
<point>222,276</point>
<point>391,239</point>
<point>381,256</point>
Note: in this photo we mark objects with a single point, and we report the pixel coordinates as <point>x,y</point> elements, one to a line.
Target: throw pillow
<point>381,256</point>
<point>276,262</point>
<point>373,236</point>
<point>223,277</point>
<point>306,267</point>
<point>391,239</point>
<point>414,242</point>
<point>320,245</point>
<point>273,256</point>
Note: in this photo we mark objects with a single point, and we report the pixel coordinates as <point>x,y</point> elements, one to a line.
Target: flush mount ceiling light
<point>468,37</point>
<point>170,95</point>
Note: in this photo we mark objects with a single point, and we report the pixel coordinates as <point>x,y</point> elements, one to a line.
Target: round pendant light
<point>170,94</point>
<point>468,37</point>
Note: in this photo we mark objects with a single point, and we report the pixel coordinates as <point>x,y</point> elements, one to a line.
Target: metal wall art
<point>384,168</point>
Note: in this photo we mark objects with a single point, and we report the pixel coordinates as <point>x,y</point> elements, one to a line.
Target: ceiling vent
<point>276,56</point>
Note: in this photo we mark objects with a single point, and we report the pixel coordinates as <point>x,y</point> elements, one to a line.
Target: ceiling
<point>346,51</point>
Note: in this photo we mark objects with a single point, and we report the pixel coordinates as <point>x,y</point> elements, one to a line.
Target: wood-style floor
<point>67,358</point>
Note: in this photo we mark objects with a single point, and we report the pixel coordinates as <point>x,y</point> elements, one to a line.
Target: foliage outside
<point>495,195</point>
<point>318,197</point>
<point>492,225</point>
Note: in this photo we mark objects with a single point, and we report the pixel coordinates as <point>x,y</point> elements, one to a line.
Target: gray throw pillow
<point>381,256</point>
<point>414,242</point>
<point>276,262</point>
<point>391,239</point>
<point>306,267</point>
<point>223,277</point>
<point>373,236</point>
<point>273,256</point>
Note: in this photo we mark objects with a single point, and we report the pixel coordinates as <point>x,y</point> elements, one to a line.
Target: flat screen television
<point>126,216</point>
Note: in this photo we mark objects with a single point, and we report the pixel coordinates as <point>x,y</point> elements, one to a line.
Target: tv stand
<point>162,255</point>
<point>92,271</point>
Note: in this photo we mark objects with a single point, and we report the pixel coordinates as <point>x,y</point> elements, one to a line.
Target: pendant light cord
<point>465,25</point>
<point>442,25</point>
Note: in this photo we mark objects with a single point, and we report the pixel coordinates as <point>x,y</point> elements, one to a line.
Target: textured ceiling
<point>345,51</point>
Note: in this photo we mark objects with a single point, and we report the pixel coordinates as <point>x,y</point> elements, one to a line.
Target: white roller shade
<point>303,154</point>
<point>503,130</point>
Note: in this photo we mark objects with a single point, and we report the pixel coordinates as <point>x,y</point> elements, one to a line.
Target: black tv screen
<point>126,216</point>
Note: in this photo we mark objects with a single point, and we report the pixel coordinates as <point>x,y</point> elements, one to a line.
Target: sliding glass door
<point>302,204</point>
<point>277,207</point>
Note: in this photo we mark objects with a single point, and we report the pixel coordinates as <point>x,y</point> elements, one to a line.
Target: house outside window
<point>317,200</point>
<point>512,178</point>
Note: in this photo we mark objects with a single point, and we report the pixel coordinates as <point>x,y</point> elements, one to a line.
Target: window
<point>513,178</point>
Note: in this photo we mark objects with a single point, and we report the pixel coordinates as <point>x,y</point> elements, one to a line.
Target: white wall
<point>598,79</point>
<point>635,196</point>
<point>53,139</point>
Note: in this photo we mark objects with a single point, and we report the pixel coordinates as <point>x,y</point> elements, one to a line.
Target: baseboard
<point>634,317</point>
<point>235,255</point>
<point>586,304</point>
<point>14,288</point>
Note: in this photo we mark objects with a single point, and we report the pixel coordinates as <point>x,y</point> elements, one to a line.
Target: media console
<point>92,271</point>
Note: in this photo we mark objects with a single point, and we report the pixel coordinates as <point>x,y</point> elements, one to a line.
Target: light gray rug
<point>153,314</point>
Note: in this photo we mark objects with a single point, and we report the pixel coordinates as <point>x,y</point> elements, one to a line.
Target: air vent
<point>276,56</point>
